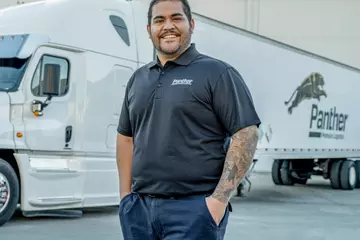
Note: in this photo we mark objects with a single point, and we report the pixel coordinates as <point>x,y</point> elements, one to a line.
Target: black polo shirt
<point>179,116</point>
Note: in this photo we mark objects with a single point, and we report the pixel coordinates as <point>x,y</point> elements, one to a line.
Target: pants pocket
<point>127,202</point>
<point>223,221</point>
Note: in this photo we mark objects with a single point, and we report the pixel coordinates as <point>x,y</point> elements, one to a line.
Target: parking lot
<point>311,212</point>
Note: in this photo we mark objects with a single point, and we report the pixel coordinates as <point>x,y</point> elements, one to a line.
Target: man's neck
<point>164,59</point>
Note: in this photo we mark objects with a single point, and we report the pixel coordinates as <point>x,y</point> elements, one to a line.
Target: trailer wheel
<point>348,176</point>
<point>357,167</point>
<point>285,173</point>
<point>275,172</point>
<point>9,192</point>
<point>335,174</point>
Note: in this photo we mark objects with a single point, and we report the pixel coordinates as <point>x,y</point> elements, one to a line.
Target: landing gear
<point>342,173</point>
<point>241,187</point>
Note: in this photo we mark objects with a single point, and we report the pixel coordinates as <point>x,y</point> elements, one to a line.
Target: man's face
<point>170,30</point>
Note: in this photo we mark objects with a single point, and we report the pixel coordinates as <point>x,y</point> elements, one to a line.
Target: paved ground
<point>313,212</point>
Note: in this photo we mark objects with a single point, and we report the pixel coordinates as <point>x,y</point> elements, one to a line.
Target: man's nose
<point>168,24</point>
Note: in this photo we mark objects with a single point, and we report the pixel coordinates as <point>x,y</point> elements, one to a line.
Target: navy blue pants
<point>144,217</point>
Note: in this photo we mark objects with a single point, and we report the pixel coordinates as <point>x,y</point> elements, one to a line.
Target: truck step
<point>55,213</point>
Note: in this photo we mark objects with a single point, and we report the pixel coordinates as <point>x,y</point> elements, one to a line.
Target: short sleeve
<point>233,103</point>
<point>124,125</point>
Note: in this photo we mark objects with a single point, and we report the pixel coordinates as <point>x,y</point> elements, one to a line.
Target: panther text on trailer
<point>328,120</point>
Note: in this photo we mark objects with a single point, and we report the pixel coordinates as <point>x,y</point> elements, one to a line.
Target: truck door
<point>55,126</point>
<point>56,177</point>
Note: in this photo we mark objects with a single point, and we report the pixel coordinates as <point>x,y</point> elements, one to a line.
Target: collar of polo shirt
<point>184,59</point>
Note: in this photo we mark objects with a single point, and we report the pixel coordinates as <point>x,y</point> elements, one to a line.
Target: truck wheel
<point>348,176</point>
<point>285,173</point>
<point>275,172</point>
<point>335,174</point>
<point>357,166</point>
<point>9,192</point>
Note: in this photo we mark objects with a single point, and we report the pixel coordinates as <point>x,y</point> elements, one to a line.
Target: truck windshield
<point>11,72</point>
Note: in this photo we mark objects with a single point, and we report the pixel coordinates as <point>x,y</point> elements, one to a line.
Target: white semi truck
<point>64,65</point>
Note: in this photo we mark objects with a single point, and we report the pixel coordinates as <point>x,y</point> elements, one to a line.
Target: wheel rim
<point>4,192</point>
<point>352,176</point>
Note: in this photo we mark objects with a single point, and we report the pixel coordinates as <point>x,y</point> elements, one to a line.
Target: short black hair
<point>185,3</point>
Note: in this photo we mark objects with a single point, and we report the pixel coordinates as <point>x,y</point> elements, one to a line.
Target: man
<point>175,176</point>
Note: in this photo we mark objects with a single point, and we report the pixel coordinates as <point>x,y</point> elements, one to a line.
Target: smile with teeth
<point>169,36</point>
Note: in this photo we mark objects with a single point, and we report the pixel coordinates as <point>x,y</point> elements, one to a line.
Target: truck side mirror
<point>51,85</point>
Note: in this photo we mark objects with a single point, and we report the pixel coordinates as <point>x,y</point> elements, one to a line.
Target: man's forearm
<point>124,156</point>
<point>238,160</point>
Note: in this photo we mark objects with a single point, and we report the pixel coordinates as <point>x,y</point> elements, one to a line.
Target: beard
<point>172,47</point>
<point>169,49</point>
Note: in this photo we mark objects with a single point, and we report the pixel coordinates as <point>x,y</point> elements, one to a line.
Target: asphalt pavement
<point>314,212</point>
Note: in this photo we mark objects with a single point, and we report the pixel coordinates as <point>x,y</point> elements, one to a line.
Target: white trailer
<point>64,66</point>
<point>307,104</point>
<point>9,3</point>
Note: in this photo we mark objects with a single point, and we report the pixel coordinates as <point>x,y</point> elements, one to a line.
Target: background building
<point>325,27</point>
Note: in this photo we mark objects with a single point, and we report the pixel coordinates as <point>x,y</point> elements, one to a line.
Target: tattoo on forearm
<point>238,160</point>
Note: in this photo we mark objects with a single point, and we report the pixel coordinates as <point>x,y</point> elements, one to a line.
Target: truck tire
<point>357,166</point>
<point>348,176</point>
<point>9,184</point>
<point>335,174</point>
<point>275,172</point>
<point>285,174</point>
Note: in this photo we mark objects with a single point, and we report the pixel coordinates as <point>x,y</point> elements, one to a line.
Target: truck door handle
<point>68,134</point>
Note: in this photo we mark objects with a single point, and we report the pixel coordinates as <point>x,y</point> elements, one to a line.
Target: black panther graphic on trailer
<point>324,123</point>
<point>310,88</point>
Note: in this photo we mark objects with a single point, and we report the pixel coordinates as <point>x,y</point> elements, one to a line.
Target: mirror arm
<point>46,102</point>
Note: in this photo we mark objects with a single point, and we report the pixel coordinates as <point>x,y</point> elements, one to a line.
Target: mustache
<point>169,33</point>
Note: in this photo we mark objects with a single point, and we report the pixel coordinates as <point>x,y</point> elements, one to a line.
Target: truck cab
<point>62,82</point>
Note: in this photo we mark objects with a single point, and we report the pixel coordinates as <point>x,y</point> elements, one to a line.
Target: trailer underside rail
<point>340,166</point>
<point>302,153</point>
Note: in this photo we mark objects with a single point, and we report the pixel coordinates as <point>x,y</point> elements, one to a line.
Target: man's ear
<point>192,27</point>
<point>148,30</point>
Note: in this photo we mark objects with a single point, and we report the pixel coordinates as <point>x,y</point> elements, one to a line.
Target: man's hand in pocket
<point>216,208</point>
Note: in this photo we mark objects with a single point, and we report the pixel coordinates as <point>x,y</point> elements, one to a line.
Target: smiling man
<point>175,177</point>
